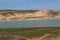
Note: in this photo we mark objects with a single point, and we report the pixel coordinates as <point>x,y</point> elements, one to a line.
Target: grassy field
<point>29,32</point>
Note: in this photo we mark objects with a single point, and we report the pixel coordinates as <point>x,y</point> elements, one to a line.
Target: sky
<point>30,4</point>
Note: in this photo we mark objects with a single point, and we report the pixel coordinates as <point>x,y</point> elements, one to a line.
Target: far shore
<point>30,19</point>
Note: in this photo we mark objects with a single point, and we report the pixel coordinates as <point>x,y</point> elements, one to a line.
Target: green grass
<point>30,32</point>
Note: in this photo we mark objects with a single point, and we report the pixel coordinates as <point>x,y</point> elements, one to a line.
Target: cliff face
<point>24,15</point>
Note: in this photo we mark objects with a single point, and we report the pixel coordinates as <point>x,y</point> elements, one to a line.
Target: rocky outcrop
<point>13,15</point>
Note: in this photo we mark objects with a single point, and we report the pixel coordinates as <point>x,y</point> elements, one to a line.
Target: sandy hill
<point>28,14</point>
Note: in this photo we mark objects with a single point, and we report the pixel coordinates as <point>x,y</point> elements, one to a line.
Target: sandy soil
<point>45,37</point>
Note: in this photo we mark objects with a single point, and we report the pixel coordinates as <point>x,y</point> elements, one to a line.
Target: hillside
<point>28,14</point>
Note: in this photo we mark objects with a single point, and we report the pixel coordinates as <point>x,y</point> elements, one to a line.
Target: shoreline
<point>30,19</point>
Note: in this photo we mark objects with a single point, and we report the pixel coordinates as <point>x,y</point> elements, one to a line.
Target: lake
<point>30,23</point>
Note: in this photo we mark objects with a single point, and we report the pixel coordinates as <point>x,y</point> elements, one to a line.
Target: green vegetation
<point>31,32</point>
<point>19,11</point>
<point>52,13</point>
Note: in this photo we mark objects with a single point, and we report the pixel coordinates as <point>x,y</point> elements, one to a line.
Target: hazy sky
<point>30,4</point>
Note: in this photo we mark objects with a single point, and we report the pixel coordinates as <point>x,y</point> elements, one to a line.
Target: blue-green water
<point>30,23</point>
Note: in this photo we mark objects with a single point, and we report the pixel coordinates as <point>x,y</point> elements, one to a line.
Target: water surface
<point>30,23</point>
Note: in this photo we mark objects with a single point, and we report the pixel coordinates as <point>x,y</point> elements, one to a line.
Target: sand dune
<point>8,15</point>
